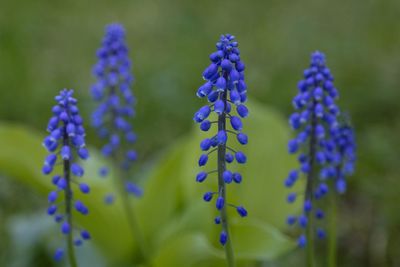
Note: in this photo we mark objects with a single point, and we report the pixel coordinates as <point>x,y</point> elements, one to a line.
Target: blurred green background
<point>49,45</point>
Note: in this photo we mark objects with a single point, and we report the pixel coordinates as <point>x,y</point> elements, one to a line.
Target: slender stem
<point>332,246</point>
<point>310,244</point>
<point>309,191</point>
<point>132,220</point>
<point>68,206</point>
<point>231,149</point>
<point>130,214</point>
<point>221,187</point>
<point>211,151</point>
<point>232,132</point>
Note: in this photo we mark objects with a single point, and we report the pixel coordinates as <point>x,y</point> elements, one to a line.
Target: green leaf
<point>256,240</point>
<point>195,218</point>
<point>191,249</point>
<point>162,194</point>
<point>185,243</point>
<point>22,156</point>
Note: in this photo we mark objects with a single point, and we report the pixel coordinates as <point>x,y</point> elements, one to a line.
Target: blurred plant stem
<point>68,210</point>
<point>128,208</point>
<point>222,188</point>
<point>71,252</point>
<point>332,244</point>
<point>310,245</point>
<point>310,190</point>
<point>132,220</point>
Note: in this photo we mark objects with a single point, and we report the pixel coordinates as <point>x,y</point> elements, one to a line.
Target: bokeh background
<point>49,45</point>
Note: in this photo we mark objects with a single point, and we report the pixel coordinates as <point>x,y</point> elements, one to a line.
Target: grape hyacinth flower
<point>111,119</point>
<point>226,92</point>
<point>112,91</point>
<point>315,121</point>
<point>66,144</point>
<point>346,148</point>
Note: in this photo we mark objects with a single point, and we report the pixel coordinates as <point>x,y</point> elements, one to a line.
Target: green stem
<point>310,191</point>
<point>222,188</point>
<point>132,220</point>
<point>71,252</point>
<point>130,214</point>
<point>68,207</point>
<point>310,243</point>
<point>332,245</point>
<point>228,246</point>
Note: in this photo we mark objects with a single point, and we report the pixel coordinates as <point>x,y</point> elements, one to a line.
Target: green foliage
<point>22,156</point>
<point>47,45</point>
<point>176,221</point>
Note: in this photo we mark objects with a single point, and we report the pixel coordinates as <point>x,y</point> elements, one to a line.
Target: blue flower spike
<point>315,122</point>
<point>344,138</point>
<point>113,94</point>
<point>66,145</point>
<point>112,118</point>
<point>226,93</point>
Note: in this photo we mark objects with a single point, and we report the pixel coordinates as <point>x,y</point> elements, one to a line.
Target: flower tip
<point>103,171</point>
<point>242,111</point>
<point>109,199</point>
<point>208,196</point>
<point>115,30</point>
<point>134,189</point>
<point>222,137</point>
<point>201,176</point>
<point>307,205</point>
<point>237,177</point>
<point>52,196</point>
<point>223,238</point>
<point>77,170</point>
<point>47,169</point>
<point>52,210</point>
<point>227,176</point>
<point>220,203</point>
<point>203,160</point>
<point>303,221</point>
<point>341,186</point>
<point>302,241</point>
<point>242,211</point>
<point>84,188</point>
<point>58,254</point>
<point>65,228</point>
<point>85,235</point>
<point>78,242</point>
<point>240,157</point>
<point>291,197</point>
<point>321,233</point>
<point>290,220</point>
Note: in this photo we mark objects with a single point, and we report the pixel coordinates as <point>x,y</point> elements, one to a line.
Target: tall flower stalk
<point>315,121</point>
<point>346,147</point>
<point>224,87</point>
<point>66,143</point>
<point>111,119</point>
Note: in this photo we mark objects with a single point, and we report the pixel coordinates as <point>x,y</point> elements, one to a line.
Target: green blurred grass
<point>47,45</point>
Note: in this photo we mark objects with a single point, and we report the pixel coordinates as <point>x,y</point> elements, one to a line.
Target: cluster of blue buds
<point>346,147</point>
<point>66,143</point>
<point>226,91</point>
<point>316,124</point>
<point>112,91</point>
